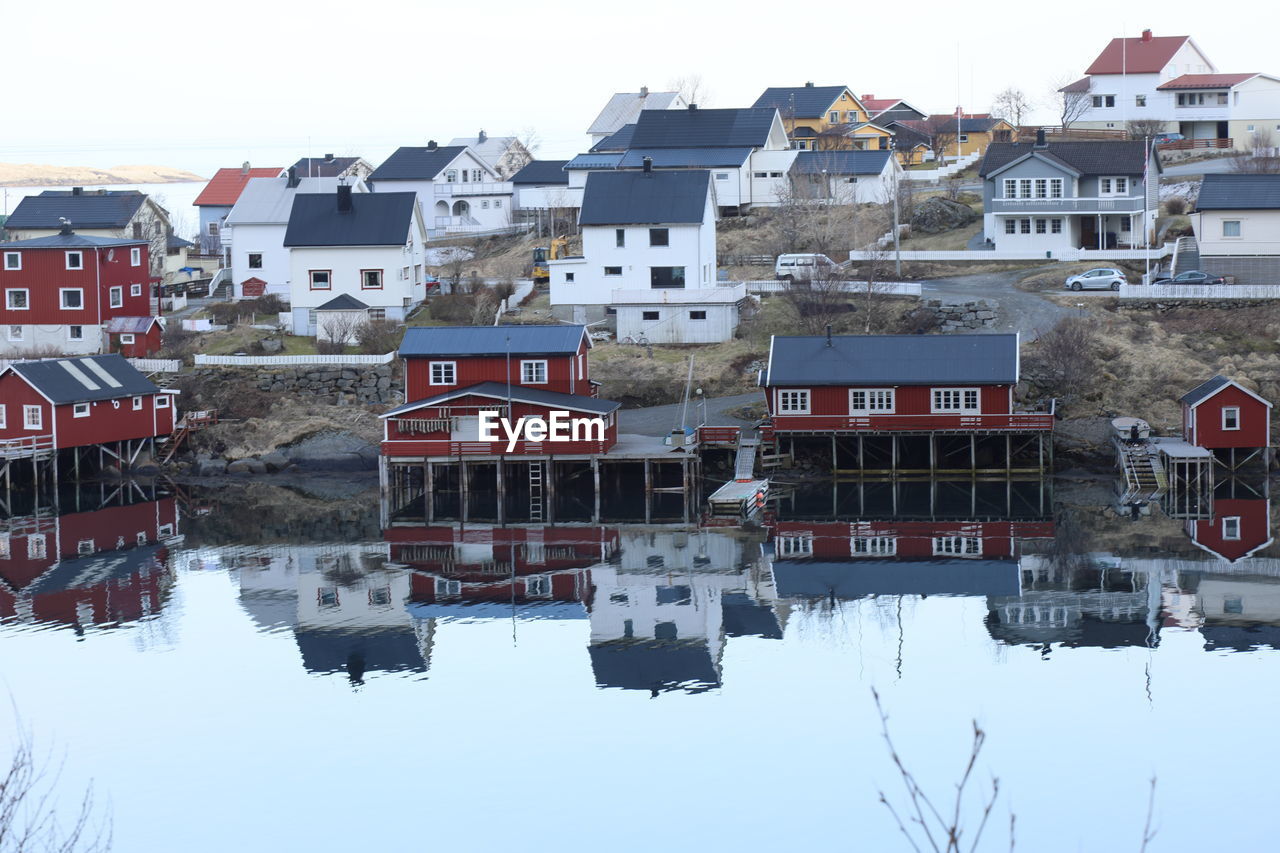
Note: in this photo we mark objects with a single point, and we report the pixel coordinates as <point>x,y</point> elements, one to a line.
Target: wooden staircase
<point>1144,475</point>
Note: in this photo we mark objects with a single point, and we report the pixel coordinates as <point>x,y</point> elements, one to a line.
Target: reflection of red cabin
<point>895,383</point>
<point>1223,414</point>
<point>452,374</point>
<point>912,540</point>
<point>1239,527</point>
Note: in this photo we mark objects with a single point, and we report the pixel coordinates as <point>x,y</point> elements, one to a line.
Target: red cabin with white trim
<point>1221,414</point>
<point>134,337</point>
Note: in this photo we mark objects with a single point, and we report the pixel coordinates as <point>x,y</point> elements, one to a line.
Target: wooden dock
<point>739,497</point>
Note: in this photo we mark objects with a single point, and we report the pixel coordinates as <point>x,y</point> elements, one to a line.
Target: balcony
<point>469,188</point>
<point>873,424</point>
<point>1114,204</point>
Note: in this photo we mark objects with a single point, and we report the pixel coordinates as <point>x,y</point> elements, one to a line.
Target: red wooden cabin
<point>60,291</point>
<point>1222,414</point>
<point>894,384</point>
<point>77,402</point>
<point>1239,528</point>
<point>134,337</point>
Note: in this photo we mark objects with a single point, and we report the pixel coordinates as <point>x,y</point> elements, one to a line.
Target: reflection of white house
<point>458,191</point>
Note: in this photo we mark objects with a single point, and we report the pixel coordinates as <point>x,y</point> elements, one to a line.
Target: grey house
<point>1044,197</point>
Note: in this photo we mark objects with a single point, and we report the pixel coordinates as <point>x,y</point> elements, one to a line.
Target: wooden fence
<point>288,360</point>
<point>1189,144</point>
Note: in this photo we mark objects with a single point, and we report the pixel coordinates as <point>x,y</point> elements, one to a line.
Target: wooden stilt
<point>464,481</point>
<point>500,485</point>
<point>429,491</point>
<point>595,485</point>
<point>549,511</point>
<point>648,491</point>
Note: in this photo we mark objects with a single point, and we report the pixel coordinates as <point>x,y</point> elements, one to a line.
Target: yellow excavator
<point>559,248</point>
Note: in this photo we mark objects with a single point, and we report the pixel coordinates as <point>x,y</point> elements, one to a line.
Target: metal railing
<point>1067,205</point>
<point>462,188</point>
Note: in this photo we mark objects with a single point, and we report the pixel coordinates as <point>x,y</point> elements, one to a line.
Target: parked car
<point>805,267</point>
<point>1166,138</point>
<point>1103,278</point>
<point>1190,277</point>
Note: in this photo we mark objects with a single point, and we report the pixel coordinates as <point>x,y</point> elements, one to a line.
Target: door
<point>1088,232</point>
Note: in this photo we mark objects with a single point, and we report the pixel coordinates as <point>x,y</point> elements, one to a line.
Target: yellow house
<point>958,136</point>
<point>825,118</point>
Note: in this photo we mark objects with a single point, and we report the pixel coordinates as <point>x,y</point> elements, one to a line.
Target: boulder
<point>271,346</point>
<point>247,466</point>
<point>275,461</point>
<point>939,214</point>
<point>209,467</point>
<point>333,451</point>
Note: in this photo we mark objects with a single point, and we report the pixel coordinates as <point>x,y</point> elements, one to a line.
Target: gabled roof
<point>620,140</point>
<point>519,340</point>
<point>587,162</point>
<point>321,167</point>
<point>876,106</point>
<point>695,158</point>
<point>1204,81</point>
<point>842,162</point>
<point>501,391</point>
<point>1092,157</point>
<point>892,360</point>
<point>88,209</point>
<point>84,379</point>
<point>803,101</point>
<point>71,241</point>
<point>1239,192</point>
<point>269,201</point>
<point>131,325</point>
<point>416,163</point>
<point>967,124</point>
<point>173,241</point>
<point>226,185</point>
<point>645,198</point>
<point>1081,85</point>
<point>1136,55</point>
<point>542,172</point>
<point>375,219</point>
<point>625,107</point>
<point>343,302</point>
<point>733,128</point>
<point>1207,389</point>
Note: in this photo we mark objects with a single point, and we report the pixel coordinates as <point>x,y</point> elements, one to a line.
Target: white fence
<point>288,360</point>
<point>892,288</point>
<point>997,255</point>
<point>942,171</point>
<point>156,365</point>
<point>1199,291</point>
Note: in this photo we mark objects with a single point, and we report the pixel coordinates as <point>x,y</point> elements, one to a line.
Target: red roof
<point>225,187</point>
<point>1136,55</point>
<point>1205,81</point>
<point>879,105</point>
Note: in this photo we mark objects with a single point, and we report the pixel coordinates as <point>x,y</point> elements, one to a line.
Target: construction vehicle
<point>559,249</point>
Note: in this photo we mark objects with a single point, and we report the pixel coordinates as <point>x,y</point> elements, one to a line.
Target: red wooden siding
<point>1202,425</point>
<point>1255,527</point>
<point>14,394</point>
<point>108,420</point>
<point>142,346</point>
<point>44,274</point>
<point>562,374</point>
<point>404,442</point>
<point>911,539</point>
<point>829,412</point>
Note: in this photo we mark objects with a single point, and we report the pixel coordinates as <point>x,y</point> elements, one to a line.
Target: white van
<point>805,267</point>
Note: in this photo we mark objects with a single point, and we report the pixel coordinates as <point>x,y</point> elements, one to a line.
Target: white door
<point>466,428</point>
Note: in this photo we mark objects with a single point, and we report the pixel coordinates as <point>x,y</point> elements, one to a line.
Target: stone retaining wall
<point>1175,304</point>
<point>359,384</point>
<point>969,315</point>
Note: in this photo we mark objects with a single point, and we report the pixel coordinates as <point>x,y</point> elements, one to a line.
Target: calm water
<point>267,669</point>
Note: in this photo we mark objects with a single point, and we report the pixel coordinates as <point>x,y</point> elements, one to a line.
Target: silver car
<point>1099,279</point>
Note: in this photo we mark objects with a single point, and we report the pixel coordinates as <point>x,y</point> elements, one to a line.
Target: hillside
<point>43,175</point>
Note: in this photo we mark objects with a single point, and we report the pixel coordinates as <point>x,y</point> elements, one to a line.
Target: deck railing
<point>719,434</point>
<point>1188,144</point>
<point>445,447</point>
<point>25,447</point>
<point>1011,422</point>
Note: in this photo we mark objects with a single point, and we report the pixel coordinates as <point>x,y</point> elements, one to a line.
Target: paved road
<point>1016,310</point>
<point>1204,167</point>
<point>659,420</point>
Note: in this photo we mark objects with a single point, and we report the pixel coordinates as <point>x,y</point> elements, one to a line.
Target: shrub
<point>268,304</point>
<point>1175,205</point>
<point>227,313</point>
<point>324,346</point>
<point>177,342</point>
<point>452,307</point>
<point>377,337</point>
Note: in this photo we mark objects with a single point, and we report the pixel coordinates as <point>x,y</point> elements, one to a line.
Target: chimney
<point>293,177</point>
<point>693,108</point>
<point>244,168</point>
<point>483,136</point>
<point>1041,142</point>
<point>328,158</point>
<point>431,145</point>
<point>828,334</point>
<point>66,226</point>
<point>1146,35</point>
<point>808,84</point>
<point>648,165</point>
<point>644,91</point>
<point>77,190</point>
<point>344,198</point>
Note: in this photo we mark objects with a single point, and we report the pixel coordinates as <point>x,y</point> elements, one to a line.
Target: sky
<point>270,82</point>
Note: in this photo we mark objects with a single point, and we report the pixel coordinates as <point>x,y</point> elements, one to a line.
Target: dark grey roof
<point>655,665</point>
<point>588,162</point>
<point>416,164</point>
<point>800,101</point>
<point>542,172</point>
<point>969,124</point>
<point>59,378</point>
<point>357,652</point>
<point>501,391</point>
<point>645,198</point>
<point>619,140</point>
<point>436,341</point>
<point>1239,192</point>
<point>375,219</point>
<point>1088,158</point>
<point>842,162</point>
<point>318,167</point>
<point>745,617</point>
<point>893,360</point>
<point>173,241</point>
<point>342,302</point>
<point>857,578</point>
<point>688,158</point>
<point>1240,638</point>
<point>703,128</point>
<point>1204,390</point>
<point>905,136</point>
<point>91,209</point>
<point>97,570</point>
<point>131,325</point>
<point>71,241</point>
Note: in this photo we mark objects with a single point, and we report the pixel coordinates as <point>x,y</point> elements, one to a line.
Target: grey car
<point>1099,279</point>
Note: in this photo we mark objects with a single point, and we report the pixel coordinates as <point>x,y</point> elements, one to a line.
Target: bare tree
<point>1144,128</point>
<point>337,330</point>
<point>29,817</point>
<point>1072,99</point>
<point>691,87</point>
<point>939,131</point>
<point>1012,105</point>
<point>819,303</point>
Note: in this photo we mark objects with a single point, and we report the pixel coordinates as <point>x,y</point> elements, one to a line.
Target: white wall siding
<point>345,264</point>
<point>674,323</point>
<point>1259,232</point>
<point>42,337</point>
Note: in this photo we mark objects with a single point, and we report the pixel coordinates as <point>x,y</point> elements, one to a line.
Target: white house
<point>707,315</point>
<point>367,247</point>
<point>846,177</point>
<point>1237,226</point>
<point>458,191</point>
<point>253,232</point>
<point>506,155</point>
<point>543,185</point>
<point>625,107</point>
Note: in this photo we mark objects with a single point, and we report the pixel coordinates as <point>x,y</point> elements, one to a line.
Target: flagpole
<point>1146,196</point>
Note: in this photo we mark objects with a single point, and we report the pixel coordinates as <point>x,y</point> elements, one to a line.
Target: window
<point>16,333</point>
<point>1055,226</point>
<point>620,237</point>
<point>137,230</point>
<point>1139,100</point>
<point>1042,226</point>
<point>255,260</point>
<point>80,410</point>
<point>116,295</point>
<point>320,280</point>
<point>666,277</point>
<point>444,373</point>
<point>18,299</point>
<point>659,237</point>
<point>759,174</point>
<point>370,279</point>
<point>955,400</point>
<point>1100,101</point>
<point>32,417</point>
<point>451,176</point>
<point>1024,226</point>
<point>497,202</point>
<point>957,546</point>
<point>873,546</point>
<point>697,315</point>
<point>1231,228</point>
<point>75,260</point>
<point>476,175</point>
<point>1231,418</point>
<point>135,290</point>
<point>72,298</point>
<point>964,137</point>
<point>775,174</point>
<point>37,546</point>
<point>649,315</point>
<point>162,401</point>
<point>137,404</point>
<point>722,176</point>
<point>1042,187</point>
<point>794,545</point>
<point>13,260</point>
<point>613,270</point>
<point>1010,188</point>
<point>213,230</point>
<point>568,276</point>
<point>870,400</point>
<point>3,420</point>
<point>126,339</point>
<point>1024,188</point>
<point>135,257</point>
<point>1011,226</point>
<point>793,402</point>
<point>377,315</point>
<point>1113,186</point>
<point>484,205</point>
<point>833,116</point>
<point>75,333</point>
<point>1249,128</point>
<point>533,372</point>
<point>327,596</point>
<point>1055,188</point>
<point>1231,527</point>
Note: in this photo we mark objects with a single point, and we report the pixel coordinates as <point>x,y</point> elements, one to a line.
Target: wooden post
<point>429,490</point>
<point>1008,454</point>
<point>500,484</point>
<point>648,490</point>
<point>595,482</point>
<point>973,453</point>
<point>933,453</point>
<point>464,487</point>
<point>834,455</point>
<point>684,481</point>
<point>549,502</point>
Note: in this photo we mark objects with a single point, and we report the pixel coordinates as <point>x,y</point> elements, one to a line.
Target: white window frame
<point>1238,223</point>
<point>3,418</point>
<point>1113,185</point>
<point>1010,187</point>
<point>115,296</point>
<point>793,545</point>
<point>940,401</point>
<point>1041,187</point>
<point>127,338</point>
<point>162,401</point>
<point>1231,528</point>
<point>1024,187</point>
<point>875,401</point>
<point>873,546</point>
<point>135,257</point>
<point>137,404</point>
<point>1055,226</point>
<point>79,259</point>
<point>9,332</point>
<point>793,401</point>
<point>452,367</point>
<point>612,274</point>
<point>1011,226</point>
<point>446,587</point>
<point>13,260</point>
<point>80,410</point>
<point>957,546</point>
<point>37,546</point>
<point>135,290</point>
<point>62,298</point>
<point>1234,411</point>
<point>75,332</point>
<point>1056,186</point>
<point>531,369</point>
<point>33,423</point>
<point>26,298</point>
<point>84,547</point>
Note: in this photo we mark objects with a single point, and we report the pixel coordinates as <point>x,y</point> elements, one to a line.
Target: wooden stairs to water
<point>1144,475</point>
<point>190,422</point>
